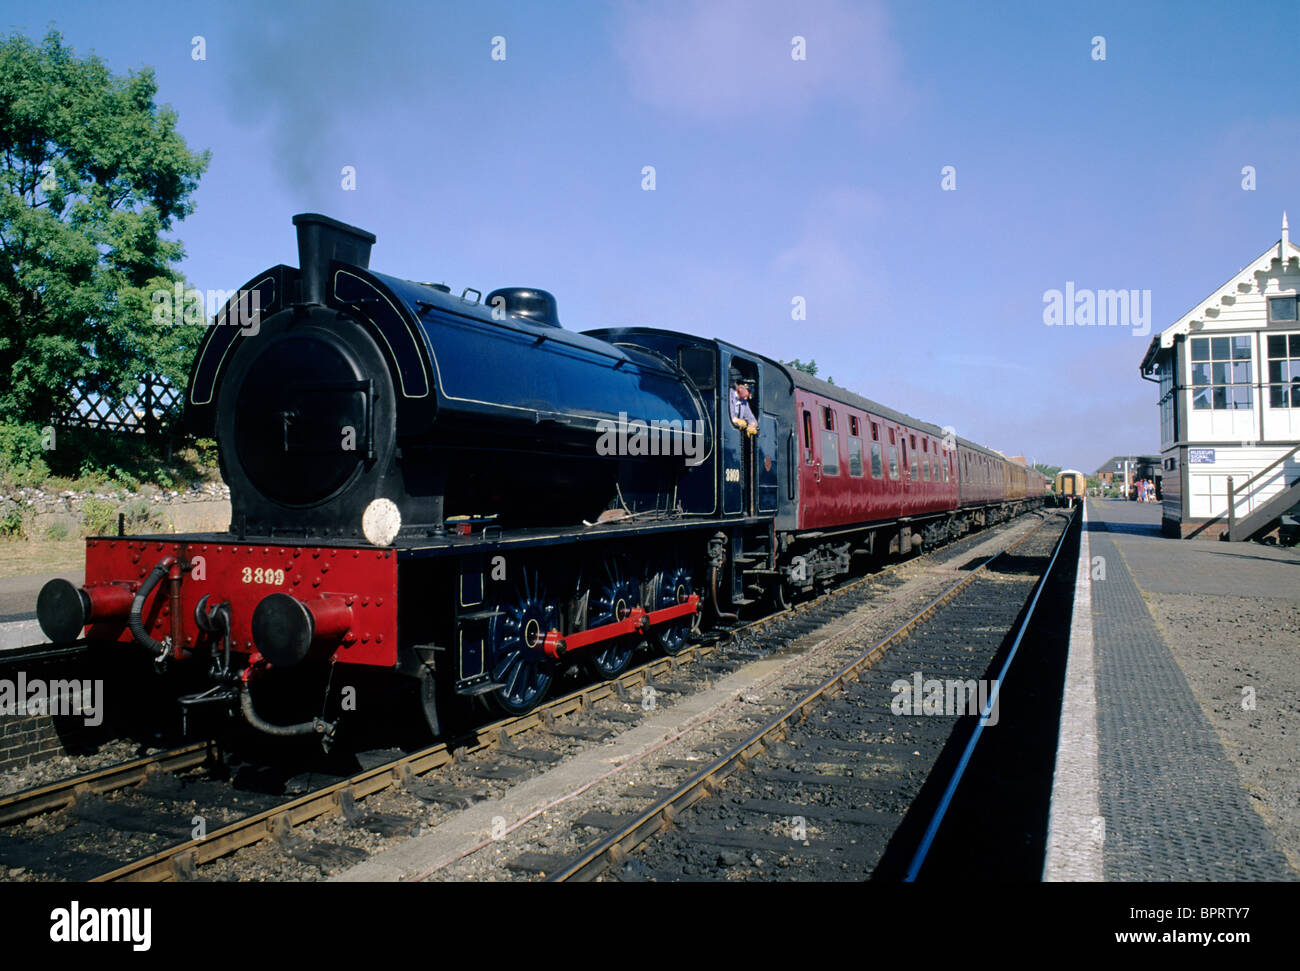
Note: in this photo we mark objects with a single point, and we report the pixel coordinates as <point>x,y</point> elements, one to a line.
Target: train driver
<point>742,416</point>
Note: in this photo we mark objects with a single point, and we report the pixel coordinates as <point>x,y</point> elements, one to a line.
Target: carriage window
<point>875,432</point>
<point>946,473</point>
<point>913,437</point>
<point>876,463</point>
<point>807,437</point>
<point>828,419</point>
<point>830,453</point>
<point>916,477</point>
<point>853,426</point>
<point>893,460</point>
<point>855,455</point>
<point>891,436</point>
<point>925,469</point>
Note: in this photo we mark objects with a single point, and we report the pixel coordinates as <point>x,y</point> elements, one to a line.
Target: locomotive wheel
<point>515,655</point>
<point>611,599</point>
<point>671,587</point>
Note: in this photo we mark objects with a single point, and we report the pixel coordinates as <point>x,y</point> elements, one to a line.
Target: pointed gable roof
<point>1273,260</point>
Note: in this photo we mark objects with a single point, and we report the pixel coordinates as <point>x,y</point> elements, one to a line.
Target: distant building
<point>1229,377</point>
<point>1121,471</point>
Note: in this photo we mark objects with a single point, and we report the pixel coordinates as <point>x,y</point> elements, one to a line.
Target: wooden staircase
<point>1264,516</point>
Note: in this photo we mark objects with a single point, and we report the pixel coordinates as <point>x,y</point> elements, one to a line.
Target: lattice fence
<point>151,410</point>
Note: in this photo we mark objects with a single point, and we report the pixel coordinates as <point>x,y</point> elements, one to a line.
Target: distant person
<point>742,416</point>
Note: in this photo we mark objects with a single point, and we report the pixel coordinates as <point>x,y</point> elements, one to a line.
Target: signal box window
<point>1282,308</point>
<point>1221,373</point>
<point>1284,370</point>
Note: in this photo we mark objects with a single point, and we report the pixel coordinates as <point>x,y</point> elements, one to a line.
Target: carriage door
<point>739,448</point>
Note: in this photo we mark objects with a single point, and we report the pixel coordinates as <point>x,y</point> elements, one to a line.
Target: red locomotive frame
<point>361,580</point>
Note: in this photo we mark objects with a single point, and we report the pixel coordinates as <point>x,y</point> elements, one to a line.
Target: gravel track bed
<point>65,767</point>
<point>827,802</point>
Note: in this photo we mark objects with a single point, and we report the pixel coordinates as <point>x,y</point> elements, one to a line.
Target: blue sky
<point>774,178</point>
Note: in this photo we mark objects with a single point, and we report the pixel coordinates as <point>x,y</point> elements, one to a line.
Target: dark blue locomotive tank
<point>332,387</point>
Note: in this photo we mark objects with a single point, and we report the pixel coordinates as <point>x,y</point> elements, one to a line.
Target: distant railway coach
<point>1070,487</point>
<point>455,494</point>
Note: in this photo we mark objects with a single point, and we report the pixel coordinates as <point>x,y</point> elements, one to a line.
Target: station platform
<point>1180,729</point>
<point>18,626</point>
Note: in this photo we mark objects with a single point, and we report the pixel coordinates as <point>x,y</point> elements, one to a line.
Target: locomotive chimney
<point>321,239</point>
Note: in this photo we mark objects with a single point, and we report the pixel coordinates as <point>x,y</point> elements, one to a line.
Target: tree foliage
<point>798,365</point>
<point>93,174</point>
<point>809,368</point>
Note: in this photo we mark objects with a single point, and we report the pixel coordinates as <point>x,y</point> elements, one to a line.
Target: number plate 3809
<point>274,578</point>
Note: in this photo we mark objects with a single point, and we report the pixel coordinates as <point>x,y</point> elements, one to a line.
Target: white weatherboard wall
<point>1208,483</point>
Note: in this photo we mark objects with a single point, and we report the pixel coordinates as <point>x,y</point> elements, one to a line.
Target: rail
<point>614,849</point>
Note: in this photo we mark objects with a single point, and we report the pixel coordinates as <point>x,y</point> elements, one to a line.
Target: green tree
<point>809,368</point>
<point>92,175</point>
<point>1048,470</point>
<point>798,365</point>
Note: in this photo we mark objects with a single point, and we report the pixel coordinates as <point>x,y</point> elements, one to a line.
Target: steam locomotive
<point>461,496</point>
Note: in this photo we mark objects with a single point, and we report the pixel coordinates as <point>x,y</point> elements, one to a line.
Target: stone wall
<point>201,509</point>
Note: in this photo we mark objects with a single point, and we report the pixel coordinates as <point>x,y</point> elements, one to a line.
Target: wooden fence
<point>152,410</point>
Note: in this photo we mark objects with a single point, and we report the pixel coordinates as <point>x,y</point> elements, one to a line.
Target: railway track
<point>833,774</point>
<point>275,820</point>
